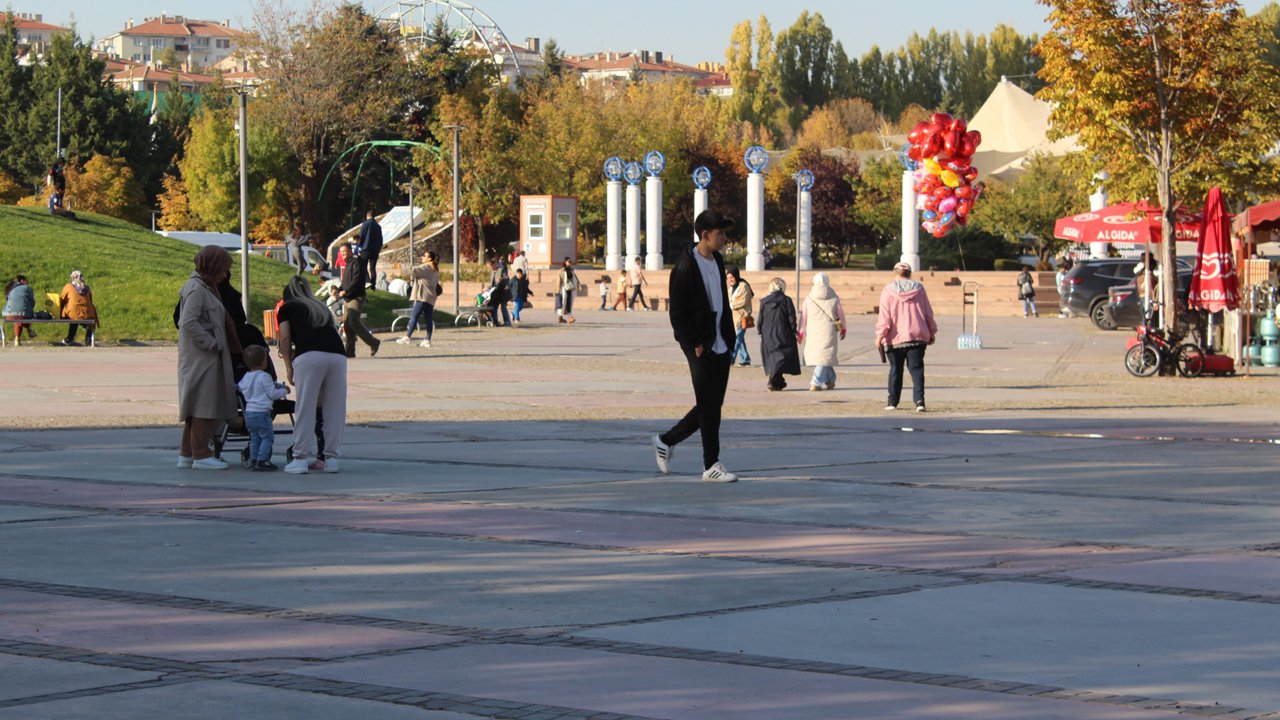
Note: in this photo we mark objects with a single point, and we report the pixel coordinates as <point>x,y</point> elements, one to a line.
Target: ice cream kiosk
<point>548,229</point>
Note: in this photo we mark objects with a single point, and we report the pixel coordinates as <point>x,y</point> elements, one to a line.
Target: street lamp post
<point>804,181</point>
<point>412,255</point>
<point>457,250</point>
<point>243,92</point>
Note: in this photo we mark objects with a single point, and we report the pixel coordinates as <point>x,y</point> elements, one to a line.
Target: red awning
<point>1259,217</point>
<point>1126,222</point>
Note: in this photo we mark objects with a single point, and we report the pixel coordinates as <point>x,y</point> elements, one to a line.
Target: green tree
<point>877,204</point>
<point>1026,207</point>
<point>106,186</point>
<point>1181,86</point>
<point>808,58</point>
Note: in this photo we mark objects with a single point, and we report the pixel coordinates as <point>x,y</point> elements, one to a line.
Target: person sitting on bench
<point>20,304</point>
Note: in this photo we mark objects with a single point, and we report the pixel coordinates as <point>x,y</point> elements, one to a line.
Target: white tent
<point>1014,126</point>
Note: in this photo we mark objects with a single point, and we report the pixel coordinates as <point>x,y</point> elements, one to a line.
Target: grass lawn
<point>135,274</point>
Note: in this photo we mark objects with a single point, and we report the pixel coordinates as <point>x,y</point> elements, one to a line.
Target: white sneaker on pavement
<point>184,461</point>
<point>297,466</point>
<point>663,453</point>
<point>404,340</point>
<point>331,465</point>
<point>890,407</point>
<point>209,463</point>
<point>424,344</point>
<point>718,473</point>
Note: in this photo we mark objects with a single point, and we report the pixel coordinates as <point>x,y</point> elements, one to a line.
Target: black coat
<point>692,318</point>
<point>355,279</point>
<point>776,323</point>
<point>370,237</point>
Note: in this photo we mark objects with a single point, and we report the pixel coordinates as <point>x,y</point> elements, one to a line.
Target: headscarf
<point>212,264</point>
<point>299,290</point>
<point>77,281</point>
<point>777,285</point>
<point>821,289</point>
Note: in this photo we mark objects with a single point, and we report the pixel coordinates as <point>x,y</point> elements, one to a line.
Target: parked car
<point>312,256</point>
<point>1124,306</point>
<point>1084,289</point>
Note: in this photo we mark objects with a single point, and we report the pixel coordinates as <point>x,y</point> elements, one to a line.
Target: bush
<point>980,251</point>
<point>1007,264</point>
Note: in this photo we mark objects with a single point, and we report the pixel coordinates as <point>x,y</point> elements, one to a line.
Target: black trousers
<point>371,268</point>
<point>710,374</point>
<point>913,357</point>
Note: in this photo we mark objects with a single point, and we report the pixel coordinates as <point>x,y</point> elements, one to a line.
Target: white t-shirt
<point>711,279</point>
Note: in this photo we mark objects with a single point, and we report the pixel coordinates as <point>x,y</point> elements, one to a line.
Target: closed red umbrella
<point>1213,282</point>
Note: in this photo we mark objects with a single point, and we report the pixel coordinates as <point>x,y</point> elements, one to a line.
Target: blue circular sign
<point>804,179</point>
<point>613,168</point>
<point>633,173</point>
<point>655,162</point>
<point>756,158</point>
<point>702,177</point>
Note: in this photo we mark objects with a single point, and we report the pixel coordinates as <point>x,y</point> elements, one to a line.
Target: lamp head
<point>702,177</point>
<point>756,158</point>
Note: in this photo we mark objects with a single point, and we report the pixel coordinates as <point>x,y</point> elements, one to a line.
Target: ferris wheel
<point>415,19</point>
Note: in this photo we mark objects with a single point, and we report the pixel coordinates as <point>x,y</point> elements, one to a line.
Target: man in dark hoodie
<point>700,317</point>
<point>353,294</point>
<point>370,246</point>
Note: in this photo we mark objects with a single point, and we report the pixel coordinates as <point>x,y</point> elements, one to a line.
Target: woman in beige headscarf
<point>822,327</point>
<point>206,340</point>
<point>76,303</point>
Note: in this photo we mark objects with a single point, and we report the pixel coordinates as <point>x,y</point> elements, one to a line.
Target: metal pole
<point>457,251</point>
<point>57,153</point>
<point>797,244</point>
<point>412,256</point>
<point>244,202</point>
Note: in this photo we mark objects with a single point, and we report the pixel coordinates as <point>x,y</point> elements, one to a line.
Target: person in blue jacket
<point>20,304</point>
<point>370,246</point>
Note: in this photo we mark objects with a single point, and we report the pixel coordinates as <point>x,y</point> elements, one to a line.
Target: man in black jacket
<point>701,319</point>
<point>370,247</point>
<point>353,293</point>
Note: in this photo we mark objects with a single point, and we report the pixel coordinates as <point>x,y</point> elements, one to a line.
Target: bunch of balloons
<point>939,153</point>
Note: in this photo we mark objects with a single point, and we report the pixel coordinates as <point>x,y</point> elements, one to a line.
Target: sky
<point>690,31</point>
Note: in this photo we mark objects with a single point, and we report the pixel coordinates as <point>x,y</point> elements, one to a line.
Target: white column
<point>910,223</point>
<point>699,206</point>
<point>1097,201</point>
<point>805,231</point>
<point>633,222</point>
<point>613,226</point>
<point>653,216</point>
<point>755,222</point>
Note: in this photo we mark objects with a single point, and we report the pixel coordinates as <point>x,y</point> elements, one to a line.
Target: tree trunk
<point>480,253</point>
<point>1168,238</point>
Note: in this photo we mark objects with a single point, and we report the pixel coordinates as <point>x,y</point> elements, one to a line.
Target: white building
<point>34,34</point>
<point>196,43</point>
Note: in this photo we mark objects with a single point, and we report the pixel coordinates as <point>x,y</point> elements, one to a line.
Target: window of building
<point>537,226</point>
<point>157,42</point>
<point>202,42</point>
<point>564,226</point>
<point>224,44</point>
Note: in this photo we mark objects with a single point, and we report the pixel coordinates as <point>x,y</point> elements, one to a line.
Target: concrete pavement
<point>1045,545</point>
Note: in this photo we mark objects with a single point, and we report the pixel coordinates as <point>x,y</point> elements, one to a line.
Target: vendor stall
<point>1250,330</point>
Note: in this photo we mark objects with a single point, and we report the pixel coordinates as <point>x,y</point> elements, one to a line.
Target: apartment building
<point>34,34</point>
<point>195,43</point>
<point>620,66</point>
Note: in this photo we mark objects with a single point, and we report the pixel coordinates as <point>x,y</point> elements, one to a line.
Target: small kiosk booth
<point>1251,330</point>
<point>548,229</point>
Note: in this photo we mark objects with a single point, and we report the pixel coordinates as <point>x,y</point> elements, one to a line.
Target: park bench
<point>400,314</point>
<point>42,321</point>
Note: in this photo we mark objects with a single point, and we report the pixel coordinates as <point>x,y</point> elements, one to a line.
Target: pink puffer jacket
<point>905,314</point>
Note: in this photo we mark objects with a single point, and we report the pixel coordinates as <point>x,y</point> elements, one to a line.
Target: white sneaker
<point>184,462</point>
<point>424,344</point>
<point>209,463</point>
<point>890,407</point>
<point>297,466</point>
<point>331,465</point>
<point>920,407</point>
<point>718,473</point>
<point>404,340</point>
<point>663,453</point>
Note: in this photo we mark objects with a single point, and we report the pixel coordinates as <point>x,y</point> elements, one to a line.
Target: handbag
<point>748,322</point>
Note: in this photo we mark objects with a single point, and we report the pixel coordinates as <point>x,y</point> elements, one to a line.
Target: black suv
<point>1084,289</point>
<point>1124,308</point>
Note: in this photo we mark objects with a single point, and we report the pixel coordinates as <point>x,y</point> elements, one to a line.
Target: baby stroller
<point>235,430</point>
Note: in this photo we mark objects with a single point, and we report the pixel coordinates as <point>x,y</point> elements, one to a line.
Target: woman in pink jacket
<point>904,330</point>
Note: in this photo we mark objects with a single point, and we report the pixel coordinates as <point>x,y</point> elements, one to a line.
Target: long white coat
<point>821,336</point>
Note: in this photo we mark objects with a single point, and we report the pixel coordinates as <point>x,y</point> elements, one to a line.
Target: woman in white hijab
<point>822,327</point>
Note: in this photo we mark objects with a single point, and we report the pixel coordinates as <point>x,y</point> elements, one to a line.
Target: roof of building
<point>717,80</point>
<point>138,72</point>
<point>178,26</point>
<point>28,24</point>
<point>624,62</point>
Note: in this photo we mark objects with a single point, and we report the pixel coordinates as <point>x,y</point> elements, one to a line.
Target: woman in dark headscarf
<point>206,339</point>
<point>777,328</point>
<point>315,363</point>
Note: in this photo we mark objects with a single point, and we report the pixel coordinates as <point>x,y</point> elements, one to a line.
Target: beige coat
<point>740,302</point>
<point>425,281</point>
<point>821,336</point>
<point>205,385</point>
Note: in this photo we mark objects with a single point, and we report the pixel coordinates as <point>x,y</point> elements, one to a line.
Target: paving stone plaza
<point>1054,539</point>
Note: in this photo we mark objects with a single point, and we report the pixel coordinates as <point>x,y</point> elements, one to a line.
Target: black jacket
<point>370,237</point>
<point>355,280</point>
<point>692,318</point>
<point>776,323</point>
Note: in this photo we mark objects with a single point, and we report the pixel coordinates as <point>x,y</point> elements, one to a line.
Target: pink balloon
<point>948,204</point>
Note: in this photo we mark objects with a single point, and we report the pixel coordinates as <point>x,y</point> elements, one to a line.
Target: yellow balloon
<point>949,178</point>
<point>932,166</point>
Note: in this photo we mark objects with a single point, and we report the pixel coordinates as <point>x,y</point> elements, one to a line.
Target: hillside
<point>135,274</point>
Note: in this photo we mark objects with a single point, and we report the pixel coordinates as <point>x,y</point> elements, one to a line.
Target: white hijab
<point>821,289</point>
